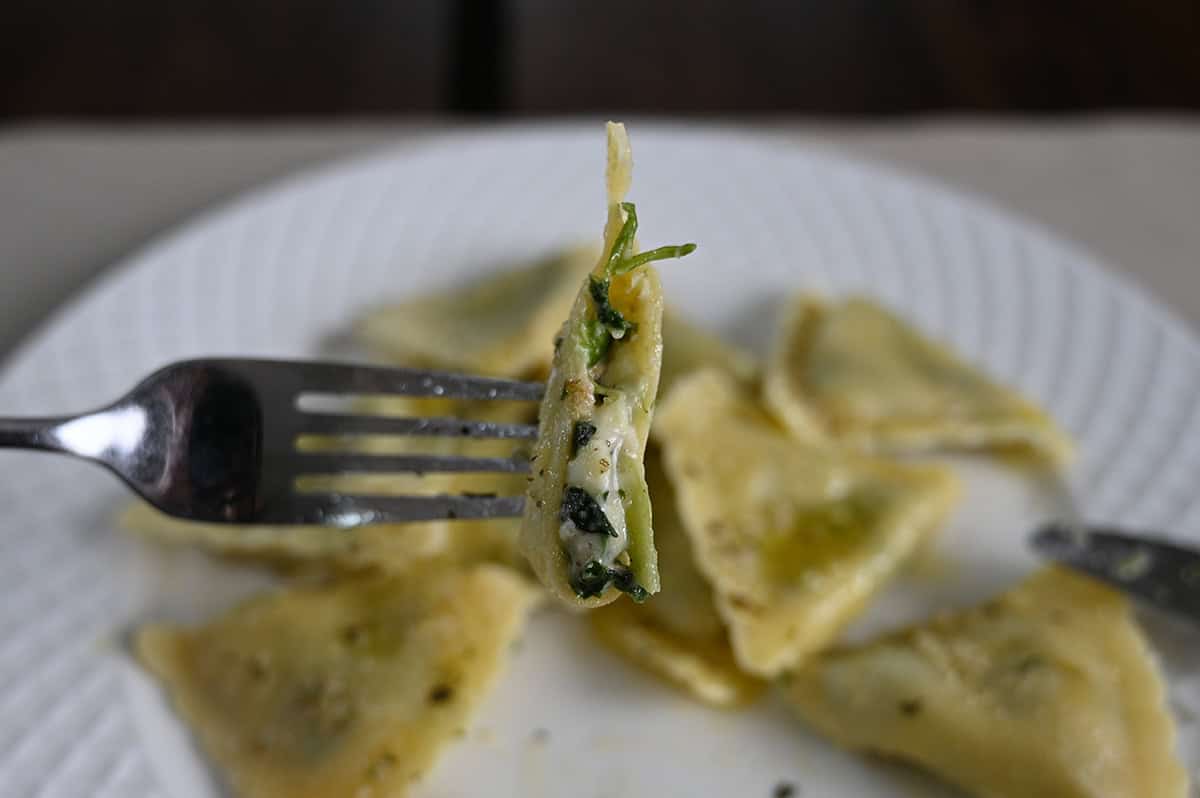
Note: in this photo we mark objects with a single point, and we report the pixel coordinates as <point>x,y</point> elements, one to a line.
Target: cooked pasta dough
<point>587,524</point>
<point>1048,691</point>
<point>794,536</point>
<point>856,371</point>
<point>350,689</point>
<point>501,325</point>
<point>678,636</point>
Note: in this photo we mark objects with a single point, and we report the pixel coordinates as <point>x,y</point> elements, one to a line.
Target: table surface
<point>75,199</point>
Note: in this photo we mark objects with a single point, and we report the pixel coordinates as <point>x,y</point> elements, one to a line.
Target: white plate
<point>282,270</point>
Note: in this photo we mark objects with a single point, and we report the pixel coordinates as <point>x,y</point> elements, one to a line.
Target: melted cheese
<point>1049,691</point>
<point>594,468</point>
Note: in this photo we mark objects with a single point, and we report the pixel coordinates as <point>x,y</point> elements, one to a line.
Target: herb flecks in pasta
<point>796,537</point>
<point>595,419</point>
<point>1047,690</point>
<point>854,371</point>
<point>350,688</point>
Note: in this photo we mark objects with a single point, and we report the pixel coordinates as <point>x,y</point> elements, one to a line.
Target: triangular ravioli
<point>1048,691</point>
<point>794,536</point>
<point>679,636</point>
<point>383,546</point>
<point>688,348</point>
<point>498,325</point>
<point>586,530</point>
<point>348,690</point>
<point>856,371</point>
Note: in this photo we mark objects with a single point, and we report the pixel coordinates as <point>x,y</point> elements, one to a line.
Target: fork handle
<point>31,433</point>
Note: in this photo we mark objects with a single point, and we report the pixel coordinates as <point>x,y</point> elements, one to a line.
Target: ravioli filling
<point>593,529</point>
<point>593,532</point>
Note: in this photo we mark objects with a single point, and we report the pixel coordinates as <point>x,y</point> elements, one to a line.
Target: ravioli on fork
<point>587,525</point>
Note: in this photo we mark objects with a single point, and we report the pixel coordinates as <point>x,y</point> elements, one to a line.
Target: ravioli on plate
<point>794,536</point>
<point>586,530</point>
<point>383,547</point>
<point>497,326</point>
<point>679,636</point>
<point>688,347</point>
<point>349,689</point>
<point>856,371</point>
<point>1048,691</point>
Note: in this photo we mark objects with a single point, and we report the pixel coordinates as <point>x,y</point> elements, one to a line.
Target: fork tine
<point>333,463</point>
<point>353,510</point>
<point>340,378</point>
<point>346,424</point>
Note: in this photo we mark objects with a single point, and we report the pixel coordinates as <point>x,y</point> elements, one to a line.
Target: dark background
<point>272,58</point>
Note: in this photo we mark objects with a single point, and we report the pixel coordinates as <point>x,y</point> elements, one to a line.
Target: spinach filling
<point>585,513</point>
<point>581,435</point>
<point>611,318</point>
<point>594,577</point>
<point>609,325</point>
<point>596,340</point>
<point>591,577</point>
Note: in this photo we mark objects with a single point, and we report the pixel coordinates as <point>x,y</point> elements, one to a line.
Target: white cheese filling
<point>594,469</point>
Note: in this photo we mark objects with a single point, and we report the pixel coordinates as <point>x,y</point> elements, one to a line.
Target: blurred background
<point>270,58</point>
<point>120,120</point>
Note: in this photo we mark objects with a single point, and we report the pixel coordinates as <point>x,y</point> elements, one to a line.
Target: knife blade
<point>1163,573</point>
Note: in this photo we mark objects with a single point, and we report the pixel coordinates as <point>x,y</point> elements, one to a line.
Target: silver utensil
<point>216,440</point>
<point>1163,573</point>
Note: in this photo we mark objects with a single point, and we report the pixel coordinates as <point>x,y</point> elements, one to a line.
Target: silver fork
<point>216,440</point>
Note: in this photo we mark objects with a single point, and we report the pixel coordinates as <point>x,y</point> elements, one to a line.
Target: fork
<point>216,440</point>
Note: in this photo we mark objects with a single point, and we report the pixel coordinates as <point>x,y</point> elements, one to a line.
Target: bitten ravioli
<point>344,690</point>
<point>586,530</point>
<point>856,371</point>
<point>1048,691</point>
<point>794,536</point>
<point>496,326</point>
